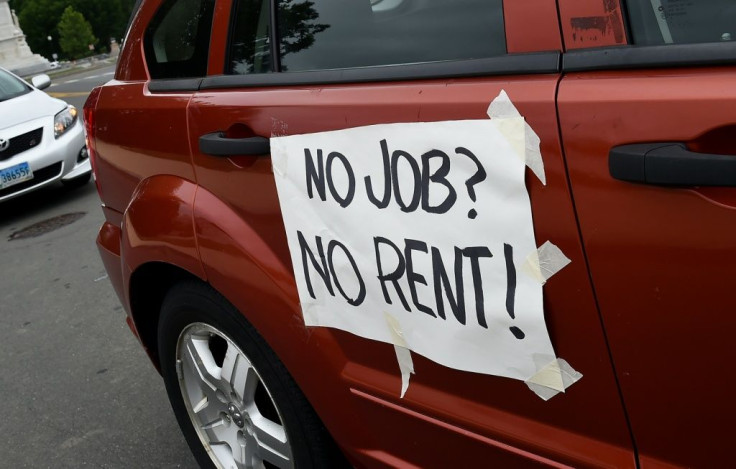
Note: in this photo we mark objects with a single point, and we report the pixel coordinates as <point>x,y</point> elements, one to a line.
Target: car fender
<point>243,267</point>
<point>158,227</point>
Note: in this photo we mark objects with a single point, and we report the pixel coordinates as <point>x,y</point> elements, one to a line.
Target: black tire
<point>187,309</point>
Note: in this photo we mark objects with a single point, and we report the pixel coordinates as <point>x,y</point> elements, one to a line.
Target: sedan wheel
<point>235,401</point>
<point>229,405</point>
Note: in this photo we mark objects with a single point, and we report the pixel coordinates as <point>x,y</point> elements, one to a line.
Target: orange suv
<point>428,233</point>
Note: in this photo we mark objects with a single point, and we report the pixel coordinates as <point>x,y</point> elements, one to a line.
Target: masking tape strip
<point>553,379</point>
<point>502,107</point>
<point>406,365</point>
<point>518,132</point>
<point>403,354</point>
<point>513,129</point>
<point>545,262</point>
<point>281,167</point>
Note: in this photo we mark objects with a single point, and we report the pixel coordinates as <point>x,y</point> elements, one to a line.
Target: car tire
<point>77,182</point>
<point>233,398</point>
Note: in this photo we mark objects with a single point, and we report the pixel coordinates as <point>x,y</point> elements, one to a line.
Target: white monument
<point>15,55</point>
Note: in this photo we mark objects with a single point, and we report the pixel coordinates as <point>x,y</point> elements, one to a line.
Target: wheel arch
<point>149,285</point>
<point>158,249</point>
<point>173,231</point>
<point>244,267</point>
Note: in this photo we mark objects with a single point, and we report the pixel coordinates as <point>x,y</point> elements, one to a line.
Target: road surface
<point>77,389</point>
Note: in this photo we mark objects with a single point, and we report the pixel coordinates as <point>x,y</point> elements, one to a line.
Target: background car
<point>633,104</point>
<point>42,139</point>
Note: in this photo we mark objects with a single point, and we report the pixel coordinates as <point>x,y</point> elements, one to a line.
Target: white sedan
<point>42,139</point>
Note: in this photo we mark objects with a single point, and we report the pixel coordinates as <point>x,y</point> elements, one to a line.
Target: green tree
<point>107,18</point>
<point>39,20</point>
<point>75,34</point>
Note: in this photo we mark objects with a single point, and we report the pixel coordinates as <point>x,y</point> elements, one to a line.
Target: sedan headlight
<point>65,120</point>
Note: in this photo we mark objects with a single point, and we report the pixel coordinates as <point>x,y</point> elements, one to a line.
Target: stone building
<point>15,55</point>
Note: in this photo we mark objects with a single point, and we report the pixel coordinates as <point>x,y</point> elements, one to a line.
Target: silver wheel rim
<point>230,407</point>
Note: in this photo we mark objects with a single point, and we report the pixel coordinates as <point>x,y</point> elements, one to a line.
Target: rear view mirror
<point>41,81</point>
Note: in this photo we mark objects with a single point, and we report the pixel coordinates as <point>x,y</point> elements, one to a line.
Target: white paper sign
<point>426,224</point>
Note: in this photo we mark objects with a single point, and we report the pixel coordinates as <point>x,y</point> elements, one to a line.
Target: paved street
<point>74,88</point>
<point>77,389</point>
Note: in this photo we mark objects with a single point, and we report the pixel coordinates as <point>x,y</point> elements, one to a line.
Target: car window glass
<point>681,21</point>
<point>250,49</point>
<point>10,87</point>
<point>177,41</point>
<point>328,34</point>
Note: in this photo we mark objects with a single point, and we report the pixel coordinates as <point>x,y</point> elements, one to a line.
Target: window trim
<point>659,56</point>
<point>168,85</point>
<point>513,64</point>
<point>133,14</point>
<point>534,63</point>
<point>274,38</point>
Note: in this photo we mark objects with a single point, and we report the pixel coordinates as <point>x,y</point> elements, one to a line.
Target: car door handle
<point>217,144</point>
<point>670,164</point>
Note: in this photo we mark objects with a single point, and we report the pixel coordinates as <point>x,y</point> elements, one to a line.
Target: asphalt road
<point>77,389</point>
<point>74,88</point>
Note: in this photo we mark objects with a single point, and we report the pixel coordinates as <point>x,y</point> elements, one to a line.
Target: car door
<point>327,73</point>
<point>643,126</point>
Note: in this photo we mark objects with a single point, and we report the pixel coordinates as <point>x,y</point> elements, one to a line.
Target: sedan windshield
<point>11,87</point>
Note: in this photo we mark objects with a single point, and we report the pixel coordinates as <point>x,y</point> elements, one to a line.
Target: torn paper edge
<point>502,109</point>
<point>403,354</point>
<point>545,262</point>
<point>553,379</point>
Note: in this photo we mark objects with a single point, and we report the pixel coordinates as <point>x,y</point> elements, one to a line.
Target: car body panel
<point>660,256</point>
<point>139,135</point>
<point>28,107</point>
<point>108,244</point>
<point>531,32</point>
<point>131,64</point>
<point>158,226</point>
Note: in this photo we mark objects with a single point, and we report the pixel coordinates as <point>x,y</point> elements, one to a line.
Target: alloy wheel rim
<point>228,404</point>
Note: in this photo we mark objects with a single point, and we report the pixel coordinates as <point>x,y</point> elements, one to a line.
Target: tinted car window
<point>177,41</point>
<point>10,87</point>
<point>250,51</point>
<point>328,34</point>
<point>682,21</point>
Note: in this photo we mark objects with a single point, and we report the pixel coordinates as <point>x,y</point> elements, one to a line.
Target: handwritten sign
<point>425,223</point>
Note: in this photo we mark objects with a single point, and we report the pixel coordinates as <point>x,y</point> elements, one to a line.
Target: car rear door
<point>257,88</point>
<point>642,126</point>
